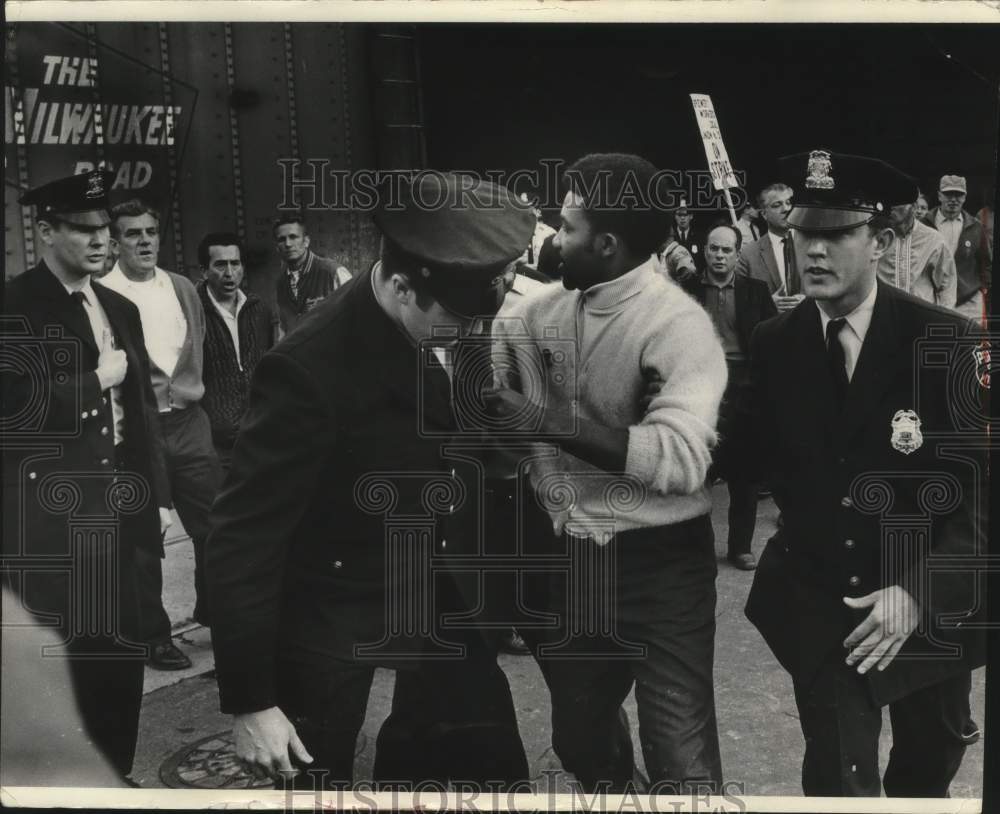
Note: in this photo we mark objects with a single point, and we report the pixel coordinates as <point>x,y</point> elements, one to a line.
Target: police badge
<point>95,186</point>
<point>982,357</point>
<point>819,168</point>
<point>906,436</point>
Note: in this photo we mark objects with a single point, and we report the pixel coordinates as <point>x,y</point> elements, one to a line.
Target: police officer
<point>877,478</point>
<point>337,492</point>
<point>83,459</point>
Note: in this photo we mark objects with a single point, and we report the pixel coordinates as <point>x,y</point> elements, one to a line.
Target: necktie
<point>792,284</point>
<point>837,360</point>
<point>79,298</point>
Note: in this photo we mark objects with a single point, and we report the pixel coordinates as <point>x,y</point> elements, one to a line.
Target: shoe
<point>511,642</point>
<point>970,732</point>
<point>167,656</point>
<point>745,562</point>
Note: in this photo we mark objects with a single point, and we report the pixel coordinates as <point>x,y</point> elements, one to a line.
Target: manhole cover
<point>211,763</point>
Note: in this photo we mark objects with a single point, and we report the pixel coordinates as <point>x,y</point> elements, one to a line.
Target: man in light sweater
<point>624,488</point>
<point>173,324</point>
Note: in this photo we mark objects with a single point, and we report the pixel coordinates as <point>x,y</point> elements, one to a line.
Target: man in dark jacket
<point>736,304</point>
<point>862,407</point>
<point>239,329</point>
<point>85,485</point>
<point>331,518</point>
<point>306,278</point>
<point>967,239</point>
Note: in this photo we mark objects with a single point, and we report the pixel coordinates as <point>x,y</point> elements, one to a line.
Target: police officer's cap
<point>459,233</point>
<point>836,191</point>
<point>81,200</point>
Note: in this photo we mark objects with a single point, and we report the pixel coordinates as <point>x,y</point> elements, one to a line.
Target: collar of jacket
<point>45,283</point>
<point>202,288</point>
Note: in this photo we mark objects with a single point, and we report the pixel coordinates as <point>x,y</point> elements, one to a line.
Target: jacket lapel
<point>808,372</point>
<point>767,255</point>
<point>61,306</point>
<point>872,373</point>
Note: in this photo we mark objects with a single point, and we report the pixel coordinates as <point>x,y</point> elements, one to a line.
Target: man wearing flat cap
<point>969,244</point>
<point>84,482</point>
<point>862,595</point>
<point>337,497</point>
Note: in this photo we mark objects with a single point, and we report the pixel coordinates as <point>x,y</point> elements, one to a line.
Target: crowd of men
<point>338,470</point>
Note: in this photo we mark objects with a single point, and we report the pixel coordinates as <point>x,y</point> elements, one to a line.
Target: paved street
<point>759,731</point>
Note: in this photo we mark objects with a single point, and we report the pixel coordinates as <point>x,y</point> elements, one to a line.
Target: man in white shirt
<point>771,258</point>
<point>747,223</point>
<point>240,328</point>
<point>173,323</point>
<point>919,260</point>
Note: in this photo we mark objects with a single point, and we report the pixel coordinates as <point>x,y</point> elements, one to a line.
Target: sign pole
<point>729,203</point>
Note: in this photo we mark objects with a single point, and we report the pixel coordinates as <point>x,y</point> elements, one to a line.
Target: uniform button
<point>104,399</point>
<point>854,581</point>
<point>104,430</point>
<point>338,564</point>
<point>93,412</point>
<point>83,414</point>
<point>841,460</point>
<point>451,509</point>
<point>453,473</point>
<point>846,502</point>
<point>32,475</point>
<point>444,543</point>
<point>105,462</point>
<point>848,543</point>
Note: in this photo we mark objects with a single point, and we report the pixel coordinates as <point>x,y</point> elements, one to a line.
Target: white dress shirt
<point>852,335</point>
<point>778,246</point>
<point>231,320</point>
<point>163,323</point>
<point>104,335</point>
<point>950,228</point>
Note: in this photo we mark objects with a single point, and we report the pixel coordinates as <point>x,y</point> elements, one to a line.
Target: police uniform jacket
<point>338,460</point>
<point>60,459</point>
<point>860,513</point>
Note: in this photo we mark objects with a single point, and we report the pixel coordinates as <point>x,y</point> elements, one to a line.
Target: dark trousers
<point>194,474</point>
<point>109,695</point>
<point>224,454</point>
<point>659,585</point>
<point>742,493</point>
<point>452,720</point>
<point>841,725</point>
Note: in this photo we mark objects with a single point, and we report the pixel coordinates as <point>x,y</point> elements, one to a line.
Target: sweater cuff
<point>643,452</point>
